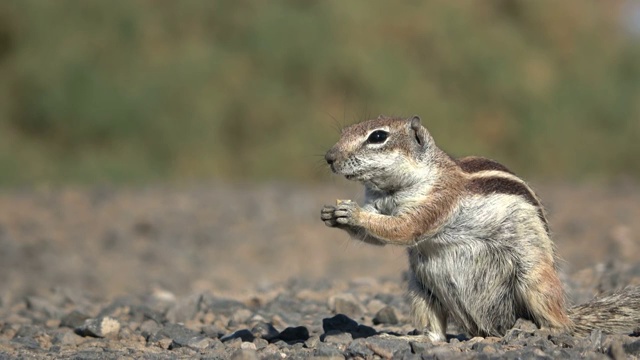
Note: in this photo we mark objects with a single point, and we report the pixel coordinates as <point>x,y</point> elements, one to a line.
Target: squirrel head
<point>385,153</point>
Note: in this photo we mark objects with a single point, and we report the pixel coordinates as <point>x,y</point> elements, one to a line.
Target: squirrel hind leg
<point>545,299</point>
<point>428,314</point>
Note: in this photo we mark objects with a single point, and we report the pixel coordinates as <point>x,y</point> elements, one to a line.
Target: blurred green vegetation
<point>129,91</point>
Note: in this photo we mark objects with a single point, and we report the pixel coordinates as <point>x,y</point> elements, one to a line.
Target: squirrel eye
<point>377,137</point>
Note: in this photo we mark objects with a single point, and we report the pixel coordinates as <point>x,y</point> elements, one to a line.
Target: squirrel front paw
<point>344,213</point>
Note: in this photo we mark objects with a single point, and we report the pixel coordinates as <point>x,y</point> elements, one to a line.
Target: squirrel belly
<point>477,236</point>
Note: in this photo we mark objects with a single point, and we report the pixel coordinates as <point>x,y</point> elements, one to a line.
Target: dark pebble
<point>244,335</point>
<point>343,323</point>
<point>27,342</point>
<point>73,319</point>
<point>291,334</point>
<point>180,335</point>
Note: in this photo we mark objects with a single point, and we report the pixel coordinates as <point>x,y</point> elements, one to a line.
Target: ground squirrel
<point>477,236</point>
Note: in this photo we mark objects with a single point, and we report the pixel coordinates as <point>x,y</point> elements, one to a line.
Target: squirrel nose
<point>331,157</point>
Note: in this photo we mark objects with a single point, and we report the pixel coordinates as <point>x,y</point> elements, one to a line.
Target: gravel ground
<point>247,272</point>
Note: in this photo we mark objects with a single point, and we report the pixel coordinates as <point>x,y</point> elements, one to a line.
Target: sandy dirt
<point>111,242</point>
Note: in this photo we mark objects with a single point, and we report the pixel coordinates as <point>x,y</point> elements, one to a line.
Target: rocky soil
<point>243,272</point>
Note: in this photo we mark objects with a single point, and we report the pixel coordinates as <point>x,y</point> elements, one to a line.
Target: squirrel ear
<point>419,131</point>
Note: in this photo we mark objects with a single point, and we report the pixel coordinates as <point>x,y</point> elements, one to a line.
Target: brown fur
<point>499,185</point>
<point>473,164</point>
<point>546,297</point>
<point>426,218</point>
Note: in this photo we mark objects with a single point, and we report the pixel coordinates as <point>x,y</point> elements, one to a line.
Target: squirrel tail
<point>618,313</point>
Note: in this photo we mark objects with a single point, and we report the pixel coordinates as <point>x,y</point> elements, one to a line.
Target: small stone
<point>73,319</point>
<point>298,333</point>
<point>52,323</point>
<point>165,343</point>
<point>149,327</point>
<point>359,348</point>
<point>386,315</point>
<point>338,338</point>
<point>43,306</point>
<point>184,309</point>
<point>327,352</point>
<point>491,340</point>
<point>29,331</point>
<point>260,343</point>
<point>257,319</point>
<point>241,316</point>
<point>245,354</point>
<point>418,347</point>
<point>99,327</point>
<point>278,321</point>
<point>515,334</point>
<point>198,343</point>
<point>525,325</point>
<point>312,342</point>
<point>563,340</point>
<point>213,331</point>
<point>248,346</point>
<point>265,331</point>
<point>233,343</point>
<point>346,304</point>
<point>28,342</point>
<point>270,351</point>
<point>388,348</point>
<point>67,338</point>
<point>179,335</point>
<point>479,346</point>
<point>539,342</point>
<point>375,305</point>
<point>126,333</point>
<point>244,335</point>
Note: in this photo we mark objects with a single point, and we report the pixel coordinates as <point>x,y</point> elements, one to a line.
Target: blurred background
<point>178,144</point>
<point>138,91</point>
